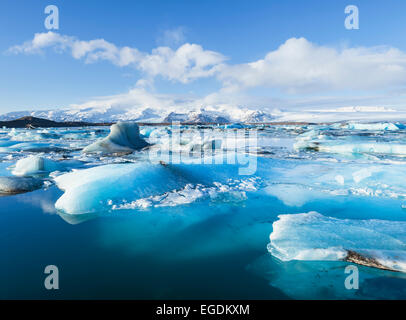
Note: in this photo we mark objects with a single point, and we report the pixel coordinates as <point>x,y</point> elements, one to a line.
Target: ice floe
<point>319,141</point>
<point>312,236</point>
<point>371,126</point>
<point>98,188</point>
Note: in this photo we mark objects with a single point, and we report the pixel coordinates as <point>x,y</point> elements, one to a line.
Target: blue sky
<point>240,31</point>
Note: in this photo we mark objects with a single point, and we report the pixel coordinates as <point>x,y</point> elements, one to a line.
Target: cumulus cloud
<point>188,62</point>
<point>296,66</point>
<point>301,66</point>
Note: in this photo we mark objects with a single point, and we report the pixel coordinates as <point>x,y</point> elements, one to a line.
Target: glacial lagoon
<point>171,212</point>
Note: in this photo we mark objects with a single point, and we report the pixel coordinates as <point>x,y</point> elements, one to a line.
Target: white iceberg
<point>210,144</point>
<point>124,137</point>
<point>31,147</point>
<point>379,126</point>
<point>34,165</point>
<point>314,237</point>
<point>314,141</point>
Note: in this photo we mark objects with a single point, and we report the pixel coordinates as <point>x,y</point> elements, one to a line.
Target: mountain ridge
<point>145,115</point>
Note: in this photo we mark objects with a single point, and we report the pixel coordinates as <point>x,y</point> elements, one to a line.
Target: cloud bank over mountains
<point>296,73</point>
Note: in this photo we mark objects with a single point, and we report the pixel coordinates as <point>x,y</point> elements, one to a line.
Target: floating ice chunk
<point>380,126</point>
<point>124,137</point>
<point>90,190</point>
<point>214,144</point>
<point>379,148</point>
<point>13,185</point>
<point>31,147</point>
<point>146,131</point>
<point>34,165</point>
<point>38,165</point>
<point>312,236</point>
<point>94,190</point>
<point>340,179</point>
<point>31,135</point>
<point>352,147</point>
<point>235,126</point>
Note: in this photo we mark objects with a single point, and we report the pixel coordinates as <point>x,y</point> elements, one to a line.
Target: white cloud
<point>301,66</point>
<point>313,75</point>
<point>188,62</point>
<point>297,66</point>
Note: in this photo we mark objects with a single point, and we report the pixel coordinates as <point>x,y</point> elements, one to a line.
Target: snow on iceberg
<point>13,185</point>
<point>312,236</point>
<point>124,137</point>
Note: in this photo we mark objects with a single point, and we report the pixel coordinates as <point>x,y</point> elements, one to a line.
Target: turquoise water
<point>183,231</point>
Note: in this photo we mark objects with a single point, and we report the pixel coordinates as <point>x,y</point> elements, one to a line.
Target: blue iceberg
<point>95,189</point>
<point>124,137</point>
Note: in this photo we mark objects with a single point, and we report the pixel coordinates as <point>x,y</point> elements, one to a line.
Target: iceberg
<point>31,147</point>
<point>211,144</point>
<point>315,141</point>
<point>34,165</point>
<point>14,185</point>
<point>314,237</point>
<point>235,126</point>
<point>359,148</point>
<point>31,135</point>
<point>95,189</point>
<point>124,137</point>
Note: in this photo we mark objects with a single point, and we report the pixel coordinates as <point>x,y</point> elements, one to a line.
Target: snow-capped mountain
<point>211,114</point>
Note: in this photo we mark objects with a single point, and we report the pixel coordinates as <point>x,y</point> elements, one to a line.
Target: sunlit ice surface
<point>242,211</point>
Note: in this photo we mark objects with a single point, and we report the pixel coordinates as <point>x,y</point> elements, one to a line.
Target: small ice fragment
<point>340,179</point>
